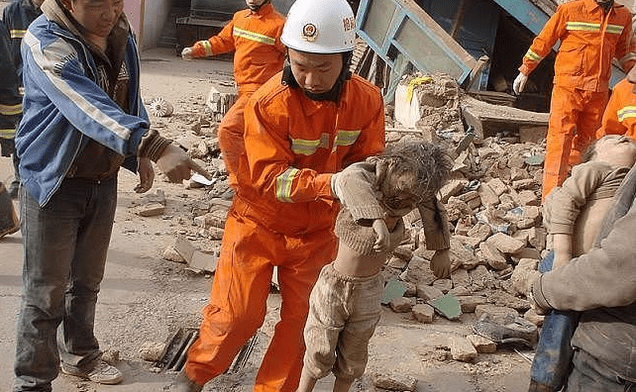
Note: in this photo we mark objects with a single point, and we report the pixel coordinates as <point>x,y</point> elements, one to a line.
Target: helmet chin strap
<point>606,5</point>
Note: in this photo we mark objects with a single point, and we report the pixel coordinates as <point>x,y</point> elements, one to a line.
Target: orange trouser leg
<point>237,302</point>
<point>230,135</point>
<point>589,121</point>
<point>564,111</point>
<point>282,364</point>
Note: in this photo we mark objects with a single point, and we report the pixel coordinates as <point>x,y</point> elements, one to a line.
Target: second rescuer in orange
<point>254,36</point>
<point>592,33</point>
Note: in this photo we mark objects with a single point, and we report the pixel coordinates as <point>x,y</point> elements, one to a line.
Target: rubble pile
<point>493,202</point>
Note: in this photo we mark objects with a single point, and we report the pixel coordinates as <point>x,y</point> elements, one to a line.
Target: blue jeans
<point>65,246</point>
<point>552,360</point>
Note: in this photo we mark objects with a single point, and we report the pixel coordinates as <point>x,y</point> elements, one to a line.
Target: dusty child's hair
<point>426,164</point>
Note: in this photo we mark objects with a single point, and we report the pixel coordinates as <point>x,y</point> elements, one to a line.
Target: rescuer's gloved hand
<point>186,53</point>
<point>520,83</point>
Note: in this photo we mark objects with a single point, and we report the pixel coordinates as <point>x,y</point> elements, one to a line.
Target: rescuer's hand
<point>520,83</point>
<point>186,53</point>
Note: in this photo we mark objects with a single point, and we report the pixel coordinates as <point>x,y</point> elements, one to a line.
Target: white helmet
<point>320,26</point>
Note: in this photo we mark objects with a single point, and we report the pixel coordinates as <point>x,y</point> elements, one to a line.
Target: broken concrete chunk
<point>171,254</point>
<point>400,305</point>
<point>423,313</point>
<point>152,351</point>
<point>482,344</point>
<point>462,349</point>
<point>505,243</point>
<point>151,209</point>
<point>394,382</point>
<point>427,292</point>
<point>470,302</point>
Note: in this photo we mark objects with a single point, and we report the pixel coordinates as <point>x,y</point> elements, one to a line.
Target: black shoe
<point>519,330</point>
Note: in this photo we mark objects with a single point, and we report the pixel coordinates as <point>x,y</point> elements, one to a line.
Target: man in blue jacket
<point>17,16</point>
<point>83,118</point>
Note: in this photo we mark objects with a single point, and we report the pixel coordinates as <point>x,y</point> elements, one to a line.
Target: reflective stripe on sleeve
<point>533,56</point>
<point>284,184</point>
<point>10,110</point>
<point>17,33</point>
<point>626,112</point>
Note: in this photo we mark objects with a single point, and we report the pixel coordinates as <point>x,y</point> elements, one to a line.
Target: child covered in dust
<point>345,302</point>
<point>573,214</point>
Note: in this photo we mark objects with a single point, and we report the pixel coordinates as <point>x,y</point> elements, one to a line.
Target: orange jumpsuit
<point>620,114</point>
<point>589,40</point>
<point>282,215</point>
<point>259,54</point>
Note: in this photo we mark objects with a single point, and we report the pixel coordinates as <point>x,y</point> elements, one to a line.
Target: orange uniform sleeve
<point>626,48</point>
<point>543,43</point>
<point>221,43</point>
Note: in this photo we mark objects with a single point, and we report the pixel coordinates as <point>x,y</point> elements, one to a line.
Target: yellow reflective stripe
<point>304,147</point>
<point>533,56</point>
<point>626,112</point>
<point>10,110</point>
<point>7,133</point>
<point>17,33</point>
<point>614,29</point>
<point>207,48</point>
<point>284,184</point>
<point>252,36</point>
<point>346,138</point>
<point>582,26</point>
<point>308,147</point>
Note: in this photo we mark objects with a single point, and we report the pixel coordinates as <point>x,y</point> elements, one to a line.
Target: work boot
<point>101,373</point>
<point>184,384</point>
<point>9,222</point>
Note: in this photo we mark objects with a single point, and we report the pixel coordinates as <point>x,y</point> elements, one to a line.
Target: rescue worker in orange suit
<point>254,35</point>
<point>302,128</point>
<point>619,117</point>
<point>591,34</point>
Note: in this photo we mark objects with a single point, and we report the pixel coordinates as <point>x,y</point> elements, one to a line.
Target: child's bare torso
<point>352,263</point>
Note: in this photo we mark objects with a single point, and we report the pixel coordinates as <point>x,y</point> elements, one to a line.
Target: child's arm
<point>382,232</point>
<point>441,263</point>
<point>562,250</point>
